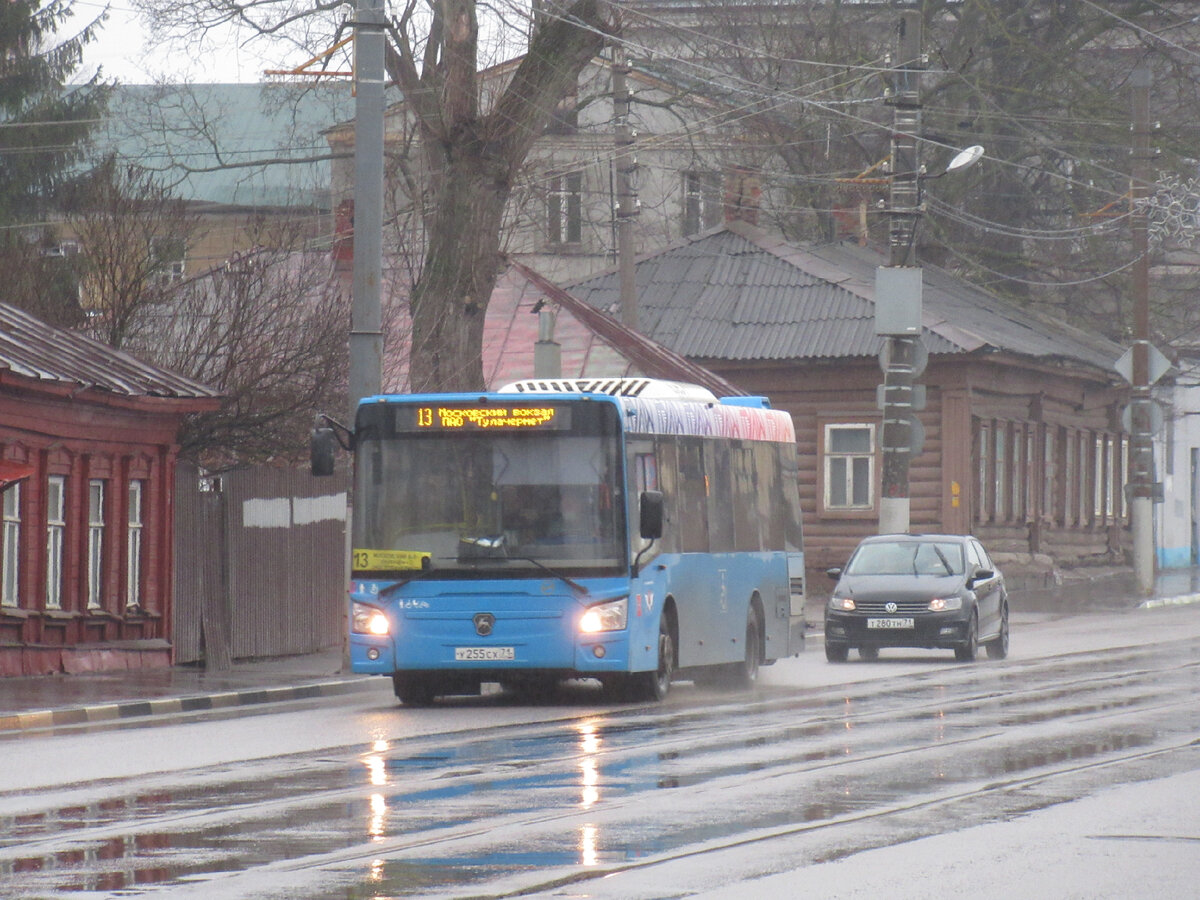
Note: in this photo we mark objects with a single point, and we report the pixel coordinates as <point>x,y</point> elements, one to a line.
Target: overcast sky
<point>126,55</point>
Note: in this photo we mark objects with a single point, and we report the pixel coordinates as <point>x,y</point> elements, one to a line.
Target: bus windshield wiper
<point>495,549</point>
<point>570,582</point>
<point>426,570</point>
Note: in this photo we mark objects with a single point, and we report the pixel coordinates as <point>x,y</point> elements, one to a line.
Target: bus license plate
<point>466,653</point>
<point>889,623</point>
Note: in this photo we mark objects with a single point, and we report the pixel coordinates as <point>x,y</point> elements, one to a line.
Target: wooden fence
<point>260,565</point>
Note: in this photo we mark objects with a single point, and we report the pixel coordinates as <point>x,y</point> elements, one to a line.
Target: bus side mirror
<point>322,446</point>
<point>651,515</point>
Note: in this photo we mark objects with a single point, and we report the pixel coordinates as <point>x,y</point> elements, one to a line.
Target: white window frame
<point>133,545</point>
<point>1050,468</point>
<point>703,205</point>
<point>847,477</point>
<point>10,593</point>
<point>564,209</point>
<point>56,526</point>
<point>170,256</point>
<point>95,544</point>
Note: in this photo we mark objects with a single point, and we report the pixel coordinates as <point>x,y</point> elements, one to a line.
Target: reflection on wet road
<point>493,810</point>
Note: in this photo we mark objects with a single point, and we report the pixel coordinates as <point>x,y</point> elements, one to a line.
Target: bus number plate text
<point>468,653</point>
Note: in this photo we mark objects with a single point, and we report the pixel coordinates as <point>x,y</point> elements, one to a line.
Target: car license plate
<point>461,653</point>
<point>889,623</point>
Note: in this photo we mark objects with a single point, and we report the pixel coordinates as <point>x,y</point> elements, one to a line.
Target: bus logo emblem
<point>484,623</point>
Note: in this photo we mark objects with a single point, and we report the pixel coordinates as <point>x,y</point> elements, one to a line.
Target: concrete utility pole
<point>898,286</point>
<point>1141,485</point>
<point>627,207</point>
<point>366,333</point>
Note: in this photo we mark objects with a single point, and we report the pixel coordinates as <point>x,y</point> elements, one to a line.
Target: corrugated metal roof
<point>738,293</point>
<point>33,349</point>
<point>247,145</point>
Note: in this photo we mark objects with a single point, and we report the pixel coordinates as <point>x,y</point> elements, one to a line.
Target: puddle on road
<point>590,761</point>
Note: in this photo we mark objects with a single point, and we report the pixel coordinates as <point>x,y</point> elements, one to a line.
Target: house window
<point>56,524</point>
<point>1001,493</point>
<point>701,201</point>
<point>850,466</point>
<point>1121,476</point>
<point>565,209</point>
<point>1050,474</point>
<point>95,543</point>
<point>168,254</point>
<point>133,546</point>
<point>1083,476</point>
<point>12,545</point>
<point>983,505</point>
<point>1017,505</point>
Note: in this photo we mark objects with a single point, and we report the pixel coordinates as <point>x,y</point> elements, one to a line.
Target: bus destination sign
<point>485,418</point>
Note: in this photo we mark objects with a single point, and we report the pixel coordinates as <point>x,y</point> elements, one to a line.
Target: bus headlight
<point>611,616</point>
<point>369,620</point>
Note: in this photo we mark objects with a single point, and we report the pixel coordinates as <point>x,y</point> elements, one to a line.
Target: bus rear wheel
<point>738,675</point>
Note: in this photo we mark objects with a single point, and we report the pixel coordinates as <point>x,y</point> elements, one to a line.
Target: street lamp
<point>898,300</point>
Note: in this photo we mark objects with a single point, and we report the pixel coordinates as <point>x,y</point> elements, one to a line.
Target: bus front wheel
<point>413,690</point>
<point>654,685</point>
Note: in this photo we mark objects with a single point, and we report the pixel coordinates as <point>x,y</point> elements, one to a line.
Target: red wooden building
<point>87,460</point>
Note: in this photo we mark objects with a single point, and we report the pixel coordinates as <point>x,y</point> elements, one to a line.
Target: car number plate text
<point>889,623</point>
<point>466,653</point>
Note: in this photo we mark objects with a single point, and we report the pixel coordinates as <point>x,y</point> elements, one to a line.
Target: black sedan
<point>917,590</point>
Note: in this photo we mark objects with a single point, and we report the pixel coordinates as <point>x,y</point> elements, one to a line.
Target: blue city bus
<point>628,530</point>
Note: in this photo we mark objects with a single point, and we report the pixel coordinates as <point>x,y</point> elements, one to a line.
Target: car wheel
<point>969,648</point>
<point>836,653</point>
<point>413,690</point>
<point>653,686</point>
<point>998,648</point>
<point>869,654</point>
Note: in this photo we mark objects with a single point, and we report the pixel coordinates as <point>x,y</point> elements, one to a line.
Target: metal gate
<point>259,563</point>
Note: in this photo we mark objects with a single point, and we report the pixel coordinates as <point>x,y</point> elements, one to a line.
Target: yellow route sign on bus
<point>390,560</point>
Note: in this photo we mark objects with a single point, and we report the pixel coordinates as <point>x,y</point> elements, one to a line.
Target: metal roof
<point>738,293</point>
<point>33,349</point>
<point>250,145</point>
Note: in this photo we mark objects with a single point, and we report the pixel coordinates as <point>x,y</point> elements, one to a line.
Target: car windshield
<point>907,558</point>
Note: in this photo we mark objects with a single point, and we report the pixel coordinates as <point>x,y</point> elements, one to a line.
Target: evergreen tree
<point>44,123</point>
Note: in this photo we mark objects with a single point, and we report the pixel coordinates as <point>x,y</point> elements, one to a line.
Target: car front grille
<point>877,607</point>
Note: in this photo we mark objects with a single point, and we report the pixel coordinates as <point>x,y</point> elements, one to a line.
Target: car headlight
<point>369,620</point>
<point>842,604</point>
<point>944,604</point>
<point>611,616</point>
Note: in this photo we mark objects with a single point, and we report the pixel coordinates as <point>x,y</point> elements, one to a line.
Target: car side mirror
<point>651,506</point>
<point>322,446</point>
<point>835,573</point>
<point>982,574</point>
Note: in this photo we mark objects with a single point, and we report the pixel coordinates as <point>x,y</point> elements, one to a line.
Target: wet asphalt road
<point>826,766</point>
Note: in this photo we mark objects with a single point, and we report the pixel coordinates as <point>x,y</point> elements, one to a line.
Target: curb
<point>132,709</point>
<point>1159,603</point>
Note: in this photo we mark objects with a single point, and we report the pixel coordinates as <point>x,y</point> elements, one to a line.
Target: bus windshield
<point>488,503</point>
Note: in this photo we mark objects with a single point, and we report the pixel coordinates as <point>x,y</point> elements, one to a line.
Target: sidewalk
<point>46,701</point>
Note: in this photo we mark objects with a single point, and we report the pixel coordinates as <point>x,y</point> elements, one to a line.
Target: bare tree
<point>268,329</point>
<point>131,230</point>
<point>471,150</point>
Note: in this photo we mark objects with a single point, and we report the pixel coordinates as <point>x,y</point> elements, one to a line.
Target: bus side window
<point>692,502</point>
<point>770,500</point>
<point>667,471</point>
<point>745,511</point>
